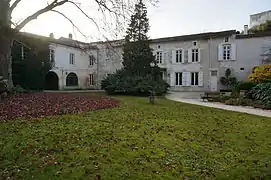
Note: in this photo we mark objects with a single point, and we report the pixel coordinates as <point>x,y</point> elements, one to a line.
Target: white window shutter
<point>200,54</point>
<point>172,79</point>
<point>189,55</point>
<point>233,52</point>
<point>182,56</point>
<point>173,53</point>
<point>201,78</point>
<point>188,78</point>
<point>220,52</point>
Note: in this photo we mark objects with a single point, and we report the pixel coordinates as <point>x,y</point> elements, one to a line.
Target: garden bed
<point>49,104</point>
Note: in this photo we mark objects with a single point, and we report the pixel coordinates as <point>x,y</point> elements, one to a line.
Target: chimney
<point>245,29</point>
<point>70,36</point>
<point>52,35</point>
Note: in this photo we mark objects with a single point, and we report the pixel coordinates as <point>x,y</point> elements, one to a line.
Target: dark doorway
<point>72,80</point>
<point>51,81</point>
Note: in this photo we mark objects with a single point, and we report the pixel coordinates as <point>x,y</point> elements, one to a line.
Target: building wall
<point>246,54</point>
<point>257,19</point>
<point>81,66</point>
<point>249,55</point>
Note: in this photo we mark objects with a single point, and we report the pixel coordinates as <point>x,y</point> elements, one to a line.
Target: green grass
<point>168,140</point>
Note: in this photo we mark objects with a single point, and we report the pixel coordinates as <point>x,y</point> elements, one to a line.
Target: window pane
<point>176,78</point>
<point>192,78</point>
<point>196,78</point>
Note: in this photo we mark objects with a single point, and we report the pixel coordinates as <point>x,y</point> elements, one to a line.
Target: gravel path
<point>184,97</point>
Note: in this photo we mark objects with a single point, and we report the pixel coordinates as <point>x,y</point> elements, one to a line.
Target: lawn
<point>138,140</point>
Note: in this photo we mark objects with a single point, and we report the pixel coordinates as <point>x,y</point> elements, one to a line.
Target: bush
<point>120,84</point>
<point>245,85</point>
<point>261,92</point>
<point>3,86</point>
<point>221,98</point>
<point>261,74</point>
<point>239,102</point>
<point>18,89</point>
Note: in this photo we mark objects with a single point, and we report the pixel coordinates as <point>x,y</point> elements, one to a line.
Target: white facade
<point>260,18</point>
<point>192,63</point>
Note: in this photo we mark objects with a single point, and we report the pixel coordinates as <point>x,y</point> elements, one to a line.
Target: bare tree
<point>8,29</point>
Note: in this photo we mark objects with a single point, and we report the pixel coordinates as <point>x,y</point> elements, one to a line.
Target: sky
<point>167,18</point>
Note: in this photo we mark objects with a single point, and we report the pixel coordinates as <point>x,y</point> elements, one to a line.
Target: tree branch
<point>85,14</point>
<point>14,5</point>
<point>51,6</point>
<point>70,21</point>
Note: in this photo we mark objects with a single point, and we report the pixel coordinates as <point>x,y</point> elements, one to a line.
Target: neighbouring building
<point>193,62</point>
<point>260,18</point>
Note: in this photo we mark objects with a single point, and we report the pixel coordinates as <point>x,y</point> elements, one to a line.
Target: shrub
<point>261,92</point>
<point>245,85</point>
<point>261,74</point>
<point>228,80</point>
<point>239,101</point>
<point>18,89</point>
<point>232,101</point>
<point>138,85</point>
<point>3,86</point>
<point>221,98</point>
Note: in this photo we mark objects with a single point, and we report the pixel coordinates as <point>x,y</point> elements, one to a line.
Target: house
<point>192,62</point>
<point>260,18</point>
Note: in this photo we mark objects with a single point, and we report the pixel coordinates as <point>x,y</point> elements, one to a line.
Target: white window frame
<point>226,52</point>
<point>91,60</point>
<point>179,55</point>
<point>91,80</point>
<point>179,79</point>
<point>194,80</point>
<point>72,58</point>
<point>159,57</point>
<point>195,55</point>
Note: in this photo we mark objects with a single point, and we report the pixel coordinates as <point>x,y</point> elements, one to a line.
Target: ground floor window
<point>91,79</point>
<point>179,79</point>
<point>72,80</point>
<point>194,78</point>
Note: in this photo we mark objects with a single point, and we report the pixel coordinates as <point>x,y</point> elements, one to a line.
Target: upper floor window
<point>194,78</point>
<point>72,58</point>
<point>226,52</point>
<point>91,60</point>
<point>195,55</point>
<point>227,39</point>
<point>159,57</point>
<point>194,43</point>
<point>52,55</point>
<point>179,55</point>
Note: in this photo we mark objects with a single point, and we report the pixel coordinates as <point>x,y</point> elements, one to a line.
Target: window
<point>52,55</point>
<point>179,54</point>
<point>159,57</point>
<point>195,55</point>
<point>213,73</point>
<point>242,69</point>
<point>162,75</point>
<point>91,60</point>
<point>91,79</point>
<point>194,78</point>
<point>226,39</point>
<point>158,46</point>
<point>71,58</point>
<point>72,80</point>
<point>226,52</point>
<point>179,79</point>
<point>194,43</point>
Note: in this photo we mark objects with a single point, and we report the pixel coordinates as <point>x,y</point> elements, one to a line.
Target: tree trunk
<point>6,42</point>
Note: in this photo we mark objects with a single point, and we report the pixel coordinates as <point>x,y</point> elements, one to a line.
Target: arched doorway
<point>51,81</point>
<point>72,80</point>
